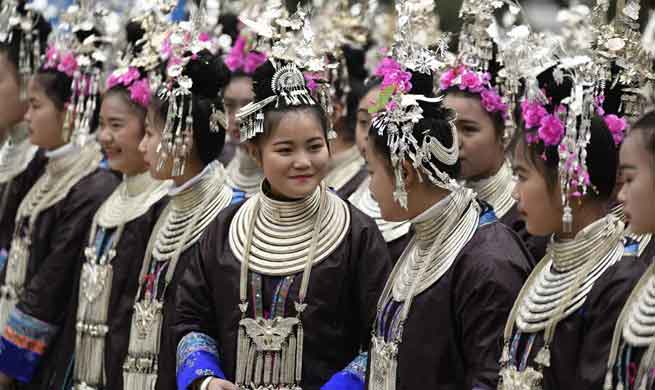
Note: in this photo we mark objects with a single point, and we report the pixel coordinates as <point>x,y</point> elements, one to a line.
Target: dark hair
<point>496,117</point>
<point>602,154</point>
<point>230,23</point>
<point>40,31</point>
<point>273,113</point>
<point>436,122</point>
<point>56,85</point>
<point>209,75</point>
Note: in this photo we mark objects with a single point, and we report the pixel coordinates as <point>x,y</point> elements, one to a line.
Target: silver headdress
<point>183,43</point>
<point>289,58</point>
<point>574,59</point>
<point>19,18</point>
<point>398,112</point>
<point>82,61</point>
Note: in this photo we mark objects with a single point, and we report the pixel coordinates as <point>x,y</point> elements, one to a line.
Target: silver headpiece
<point>184,42</point>
<point>12,20</point>
<point>292,52</point>
<point>397,112</point>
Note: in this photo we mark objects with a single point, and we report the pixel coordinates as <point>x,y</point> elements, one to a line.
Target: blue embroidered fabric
<point>353,377</point>
<point>197,357</point>
<point>630,247</point>
<point>487,215</point>
<point>4,255</point>
<point>238,196</point>
<point>24,341</point>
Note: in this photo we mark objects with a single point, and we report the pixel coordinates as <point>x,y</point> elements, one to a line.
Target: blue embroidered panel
<point>630,247</point>
<point>24,341</point>
<point>353,377</point>
<point>238,196</point>
<point>3,258</point>
<point>197,357</point>
<point>487,215</point>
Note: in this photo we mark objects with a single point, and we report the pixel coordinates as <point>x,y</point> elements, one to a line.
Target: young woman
<point>630,364</point>
<point>558,333</point>
<point>20,164</point>
<point>96,334</point>
<point>481,117</point>
<point>284,285</point>
<point>396,234</point>
<point>455,283</point>
<point>184,136</point>
<point>53,219</point>
<point>243,173</point>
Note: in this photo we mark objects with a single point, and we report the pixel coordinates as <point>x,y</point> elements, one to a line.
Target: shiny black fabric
<point>581,343</point>
<point>126,267</point>
<point>453,333</point>
<point>13,193</point>
<point>341,302</point>
<point>58,238</point>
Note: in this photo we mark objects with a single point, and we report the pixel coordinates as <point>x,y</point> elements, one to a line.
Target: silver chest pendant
<point>91,325</point>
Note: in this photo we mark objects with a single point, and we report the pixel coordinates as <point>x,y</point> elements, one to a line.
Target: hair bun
<point>209,74</point>
<point>261,81</point>
<point>422,84</point>
<point>134,32</point>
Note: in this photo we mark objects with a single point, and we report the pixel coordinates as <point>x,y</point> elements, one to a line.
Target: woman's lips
<point>302,178</point>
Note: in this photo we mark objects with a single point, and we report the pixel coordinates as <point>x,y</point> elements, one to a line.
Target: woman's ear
<point>410,175</point>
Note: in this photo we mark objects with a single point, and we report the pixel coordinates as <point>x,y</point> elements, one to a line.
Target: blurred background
<point>541,12</point>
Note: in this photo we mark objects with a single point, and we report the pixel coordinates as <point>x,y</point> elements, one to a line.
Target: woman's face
<point>382,185</point>
<point>540,207</point>
<point>364,119</point>
<point>12,108</point>
<point>481,151</point>
<point>295,155</point>
<point>638,192</point>
<point>44,119</point>
<point>150,143</point>
<point>238,94</point>
<point>120,133</point>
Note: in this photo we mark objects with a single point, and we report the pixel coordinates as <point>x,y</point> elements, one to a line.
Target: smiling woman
<point>255,262</point>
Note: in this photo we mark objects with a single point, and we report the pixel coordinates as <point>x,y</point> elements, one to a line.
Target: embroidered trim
<point>358,366</point>
<point>28,332</point>
<point>191,344</point>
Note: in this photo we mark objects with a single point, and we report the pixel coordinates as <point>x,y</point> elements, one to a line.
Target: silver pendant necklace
<point>270,351</point>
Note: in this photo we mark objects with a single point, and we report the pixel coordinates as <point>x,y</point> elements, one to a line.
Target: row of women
<point>477,218</point>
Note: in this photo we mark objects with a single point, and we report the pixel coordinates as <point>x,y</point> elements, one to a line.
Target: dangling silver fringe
<point>92,316</point>
<point>269,362</point>
<point>141,366</point>
<point>15,277</point>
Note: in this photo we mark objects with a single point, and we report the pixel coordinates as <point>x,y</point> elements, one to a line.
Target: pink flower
<point>617,126</point>
<point>532,113</point>
<point>393,75</point>
<point>551,129</point>
<point>492,102</point>
<point>253,61</point>
<point>311,79</point>
<point>470,81</point>
<point>140,92</point>
<point>447,79</point>
<point>123,77</point>
<point>203,37</point>
<point>68,64</point>
<point>51,57</point>
<point>236,57</point>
